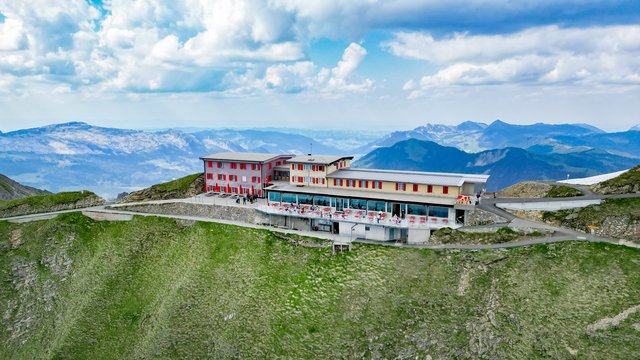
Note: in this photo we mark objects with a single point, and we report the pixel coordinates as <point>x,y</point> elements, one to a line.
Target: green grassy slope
<point>181,184</point>
<point>559,191</point>
<point>152,288</point>
<point>46,201</point>
<point>183,187</point>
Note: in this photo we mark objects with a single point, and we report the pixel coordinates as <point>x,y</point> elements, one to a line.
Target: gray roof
<point>242,156</point>
<point>410,177</point>
<point>362,194</point>
<point>318,159</point>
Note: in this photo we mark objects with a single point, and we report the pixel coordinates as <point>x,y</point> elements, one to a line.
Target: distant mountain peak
<point>635,128</point>
<point>471,125</point>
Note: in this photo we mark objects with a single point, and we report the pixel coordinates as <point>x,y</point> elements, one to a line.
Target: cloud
<point>306,76</point>
<point>547,55</point>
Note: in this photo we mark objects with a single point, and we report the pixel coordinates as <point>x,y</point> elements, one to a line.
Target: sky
<point>330,64</point>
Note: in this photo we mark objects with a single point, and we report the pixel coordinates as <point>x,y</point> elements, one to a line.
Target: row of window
<point>378,185</point>
<point>308,179</point>
<point>301,167</point>
<point>359,204</point>
<point>224,177</point>
<point>243,166</point>
<point>233,190</point>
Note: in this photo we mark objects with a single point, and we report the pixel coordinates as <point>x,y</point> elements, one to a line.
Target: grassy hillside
<point>154,288</point>
<point>44,203</point>
<point>561,191</point>
<point>186,186</point>
<point>628,182</point>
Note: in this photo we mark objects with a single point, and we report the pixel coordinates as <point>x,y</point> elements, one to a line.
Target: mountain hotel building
<point>323,193</point>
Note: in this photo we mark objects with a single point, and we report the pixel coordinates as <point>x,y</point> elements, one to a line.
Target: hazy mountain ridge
<point>545,138</point>
<point>109,161</point>
<point>506,166</point>
<point>10,189</point>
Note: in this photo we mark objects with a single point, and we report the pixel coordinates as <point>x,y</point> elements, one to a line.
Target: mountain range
<point>506,166</point>
<point>546,138</point>
<point>109,161</point>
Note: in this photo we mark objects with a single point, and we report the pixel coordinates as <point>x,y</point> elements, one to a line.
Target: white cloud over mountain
<point>543,56</point>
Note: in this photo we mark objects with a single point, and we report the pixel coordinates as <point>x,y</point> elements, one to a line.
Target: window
<point>253,166</point>
<point>219,164</point>
<point>401,186</point>
<point>244,179</point>
<point>439,211</point>
<point>429,188</point>
<point>322,200</point>
<point>243,166</point>
<point>278,163</point>
<point>445,189</point>
<point>305,199</point>
<point>293,166</point>
<point>270,166</point>
<point>253,179</point>
<point>415,187</point>
<point>234,165</point>
<point>209,163</point>
<point>321,167</point>
<point>221,177</point>
<point>414,209</point>
<point>300,167</point>
<point>376,205</point>
<point>358,204</point>
<point>288,198</point>
<point>274,196</point>
<point>209,176</point>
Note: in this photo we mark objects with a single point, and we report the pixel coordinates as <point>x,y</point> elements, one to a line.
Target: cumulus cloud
<point>305,75</point>
<point>545,55</point>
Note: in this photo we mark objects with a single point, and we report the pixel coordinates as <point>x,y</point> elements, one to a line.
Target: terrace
<point>356,216</point>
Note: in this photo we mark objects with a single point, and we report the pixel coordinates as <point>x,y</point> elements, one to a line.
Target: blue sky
<point>354,64</point>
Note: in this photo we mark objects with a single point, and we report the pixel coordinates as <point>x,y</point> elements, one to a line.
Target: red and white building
<point>241,172</point>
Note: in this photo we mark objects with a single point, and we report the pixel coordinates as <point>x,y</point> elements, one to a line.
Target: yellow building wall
<point>307,173</point>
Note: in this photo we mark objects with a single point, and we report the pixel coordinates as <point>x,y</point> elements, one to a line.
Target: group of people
<point>246,197</point>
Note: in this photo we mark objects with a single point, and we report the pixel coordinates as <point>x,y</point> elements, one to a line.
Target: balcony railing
<point>356,216</point>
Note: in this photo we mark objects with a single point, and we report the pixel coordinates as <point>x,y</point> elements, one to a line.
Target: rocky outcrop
<point>479,217</point>
<point>10,189</point>
<point>626,183</point>
<point>525,189</point>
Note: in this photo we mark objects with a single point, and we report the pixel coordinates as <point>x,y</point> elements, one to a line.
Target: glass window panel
<point>439,211</point>
<point>305,199</point>
<point>274,196</point>
<point>358,204</point>
<point>288,198</point>
<point>414,209</point>
<point>376,205</point>
<point>322,201</point>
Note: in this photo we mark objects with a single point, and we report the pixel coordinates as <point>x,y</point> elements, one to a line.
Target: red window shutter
<point>258,166</point>
<point>300,167</point>
<point>258,179</point>
<point>209,164</point>
<point>445,189</point>
<point>270,166</point>
<point>322,181</point>
<point>359,183</point>
<point>293,167</point>
<point>335,182</point>
<point>396,186</point>
<point>415,187</point>
<point>340,182</point>
<point>429,188</point>
<point>219,164</point>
